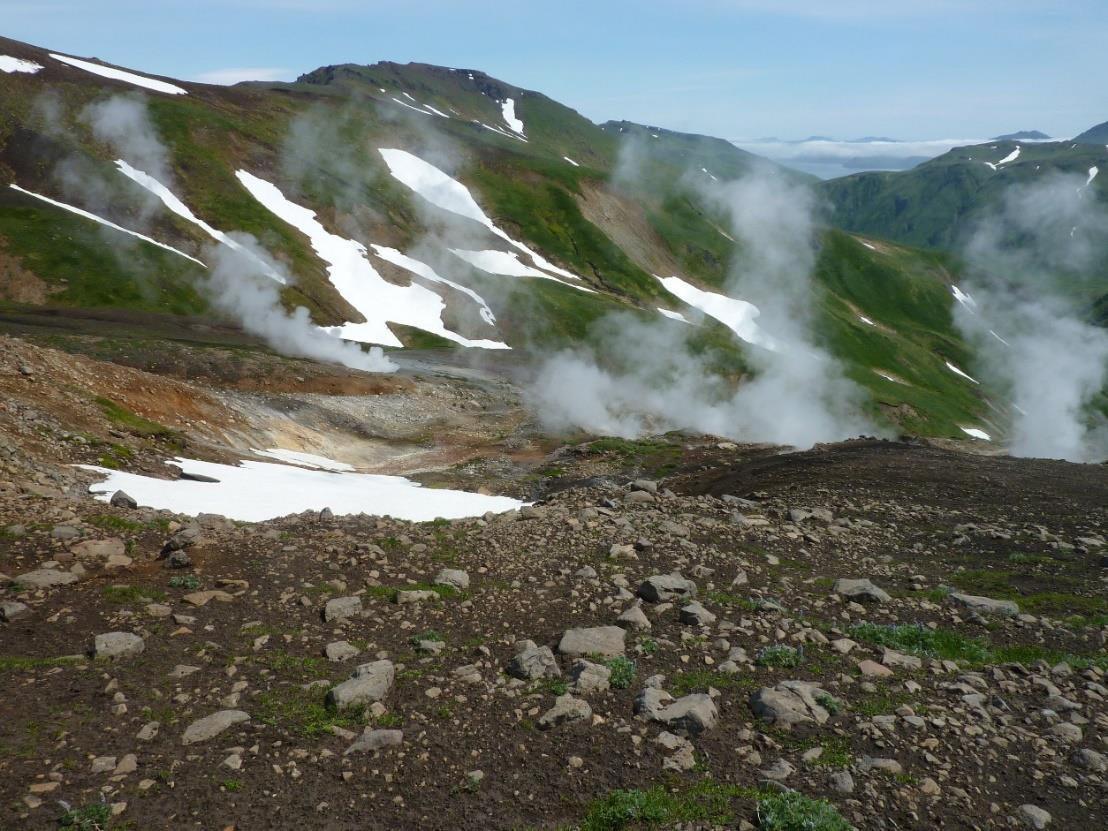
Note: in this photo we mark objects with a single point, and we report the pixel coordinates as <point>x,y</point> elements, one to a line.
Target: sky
<point>738,69</point>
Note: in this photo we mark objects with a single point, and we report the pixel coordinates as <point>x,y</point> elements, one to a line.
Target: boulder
<point>861,589</point>
<point>789,703</point>
<point>605,641</point>
<point>692,713</point>
<point>452,577</point>
<point>341,608</point>
<point>368,683</point>
<point>211,726</point>
<point>117,645</point>
<point>986,605</point>
<point>532,662</point>
<point>372,740</point>
<point>589,677</point>
<point>45,578</point>
<point>566,709</point>
<point>667,587</point>
<point>120,499</point>
<point>694,614</point>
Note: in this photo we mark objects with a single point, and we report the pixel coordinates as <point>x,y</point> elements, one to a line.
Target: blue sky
<point>917,69</point>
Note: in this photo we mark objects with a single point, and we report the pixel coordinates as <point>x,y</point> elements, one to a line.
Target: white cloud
<point>234,74</point>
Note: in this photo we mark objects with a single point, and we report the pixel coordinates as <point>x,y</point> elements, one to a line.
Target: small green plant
<point>124,595</point>
<point>111,522</point>
<point>184,581</point>
<point>828,702</point>
<point>793,811</point>
<point>93,817</point>
<point>388,720</point>
<point>623,672</point>
<point>430,635</point>
<point>648,646</point>
<point>920,640</point>
<point>778,655</point>
<point>231,785</point>
<point>557,686</point>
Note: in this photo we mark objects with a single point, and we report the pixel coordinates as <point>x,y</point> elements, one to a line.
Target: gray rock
<point>694,614</point>
<point>117,645</point>
<point>452,577</point>
<point>789,703</point>
<point>589,677</point>
<point>647,485</point>
<point>532,662</point>
<point>211,726</point>
<point>372,740</point>
<point>842,782</point>
<point>341,608</point>
<point>99,549</point>
<point>1091,760</point>
<point>890,766</point>
<point>639,498</point>
<point>861,589</point>
<point>341,651</point>
<point>122,500</point>
<point>566,709</point>
<point>368,683</point>
<point>12,610</point>
<point>179,559</point>
<point>605,641</point>
<point>415,596</point>
<point>986,605</point>
<point>692,713</point>
<point>64,532</point>
<point>667,587</point>
<point>651,701</point>
<point>45,578</point>
<point>634,618</point>
<point>779,771</point>
<point>1034,817</point>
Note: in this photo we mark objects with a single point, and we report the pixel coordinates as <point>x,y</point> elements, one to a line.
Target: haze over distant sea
<point>828,158</point>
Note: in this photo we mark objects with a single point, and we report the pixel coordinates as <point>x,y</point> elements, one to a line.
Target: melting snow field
<point>963,298</point>
<point>10,64</point>
<point>257,491</point>
<point>1093,171</point>
<point>352,275</point>
<point>672,315</point>
<point>121,75</point>
<point>736,315</point>
<point>296,457</point>
<point>976,433</point>
<point>957,371</point>
<point>504,263</point>
<point>447,193</point>
<point>866,320</point>
<point>1011,157</point>
<point>571,161</point>
<point>170,200</point>
<point>83,213</point>
<point>391,255</point>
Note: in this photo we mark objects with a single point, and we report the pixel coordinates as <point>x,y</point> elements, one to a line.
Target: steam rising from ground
<point>643,377</point>
<point>238,286</point>
<point>1031,263</point>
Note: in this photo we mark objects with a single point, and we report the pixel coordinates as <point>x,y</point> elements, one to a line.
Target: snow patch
<point>504,263</point>
<point>508,108</point>
<point>869,246</point>
<point>170,200</point>
<point>255,491</point>
<point>571,161</point>
<point>121,75</point>
<point>737,315</point>
<point>350,272</point>
<point>447,193</point>
<point>1011,157</point>
<point>957,371</point>
<point>409,106</point>
<point>87,215</point>
<point>889,377</point>
<point>1093,171</point>
<point>866,320</point>
<point>964,298</point>
<point>976,433</point>
<point>672,315</point>
<point>425,271</point>
<point>10,64</point>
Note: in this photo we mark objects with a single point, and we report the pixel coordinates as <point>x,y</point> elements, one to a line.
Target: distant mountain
<point>1094,135</point>
<point>935,203</point>
<point>1023,135</point>
<point>872,139</point>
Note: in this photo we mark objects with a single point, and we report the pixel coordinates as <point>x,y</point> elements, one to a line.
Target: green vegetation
<point>124,419</point>
<point>700,680</point>
<point>111,522</point>
<point>793,811</point>
<point>623,672</point>
<point>917,639</point>
<point>778,655</point>
<point>126,595</point>
<point>302,712</point>
<point>15,663</point>
<point>94,817</point>
<point>189,582</point>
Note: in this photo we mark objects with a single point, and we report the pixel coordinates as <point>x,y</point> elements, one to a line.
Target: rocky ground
<point>679,633</point>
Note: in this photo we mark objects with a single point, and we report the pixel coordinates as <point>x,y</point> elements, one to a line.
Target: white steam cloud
<point>1031,262</point>
<point>239,286</point>
<point>643,377</point>
<point>123,123</point>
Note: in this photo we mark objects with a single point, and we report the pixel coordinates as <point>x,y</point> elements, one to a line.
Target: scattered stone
<point>605,641</point>
<point>121,499</point>
<point>211,726</point>
<point>452,577</point>
<point>117,645</point>
<point>789,703</point>
<point>662,587</point>
<point>374,739</point>
<point>566,709</point>
<point>341,608</point>
<point>1034,817</point>
<point>986,605</point>
<point>367,684</point>
<point>693,713</point>
<point>694,614</point>
<point>861,589</point>
<point>12,610</point>
<point>532,662</point>
<point>205,597</point>
<point>45,578</point>
<point>635,619</point>
<point>589,677</point>
<point>341,651</point>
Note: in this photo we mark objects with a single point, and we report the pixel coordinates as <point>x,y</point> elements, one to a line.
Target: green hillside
<point>560,187</point>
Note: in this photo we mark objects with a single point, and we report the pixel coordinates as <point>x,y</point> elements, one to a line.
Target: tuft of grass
<point>389,593</point>
<point>623,672</point>
<point>133,423</point>
<point>793,811</point>
<point>917,639</point>
<point>699,680</point>
<point>734,600</point>
<point>778,655</point>
<point>111,522</point>
<point>185,581</point>
<point>94,817</point>
<point>302,712</point>
<point>14,663</point>
<point>126,595</point>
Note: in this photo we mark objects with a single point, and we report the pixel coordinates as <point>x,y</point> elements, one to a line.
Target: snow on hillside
<point>10,64</point>
<point>377,300</point>
<point>957,371</point>
<point>425,271</point>
<point>256,491</point>
<point>509,110</point>
<point>976,433</point>
<point>297,457</point>
<point>737,315</point>
<point>504,263</point>
<point>1011,157</point>
<point>448,193</point>
<point>121,75</point>
<point>672,315</point>
<point>174,204</point>
<point>88,215</point>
